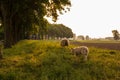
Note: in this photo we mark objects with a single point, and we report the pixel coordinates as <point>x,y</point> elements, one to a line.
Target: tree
<point>116,34</point>
<point>87,37</point>
<point>81,37</point>
<point>59,31</point>
<point>18,16</point>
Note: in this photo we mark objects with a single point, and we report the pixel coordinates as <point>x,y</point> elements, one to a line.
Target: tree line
<point>59,31</point>
<point>18,17</point>
<point>52,31</point>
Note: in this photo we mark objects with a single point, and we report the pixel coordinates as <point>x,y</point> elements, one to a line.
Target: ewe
<point>82,50</point>
<point>64,42</point>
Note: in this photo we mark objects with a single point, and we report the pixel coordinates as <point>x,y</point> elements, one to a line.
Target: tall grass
<point>47,60</point>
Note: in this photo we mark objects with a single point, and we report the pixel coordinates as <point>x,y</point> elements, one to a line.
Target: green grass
<point>47,60</point>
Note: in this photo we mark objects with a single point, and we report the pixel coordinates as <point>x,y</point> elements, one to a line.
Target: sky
<point>95,18</point>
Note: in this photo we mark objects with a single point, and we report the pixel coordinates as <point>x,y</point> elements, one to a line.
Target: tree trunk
<point>1,50</point>
<point>7,32</point>
<point>7,23</point>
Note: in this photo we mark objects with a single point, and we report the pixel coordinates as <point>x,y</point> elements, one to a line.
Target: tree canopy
<point>59,31</point>
<point>19,16</point>
<point>116,34</point>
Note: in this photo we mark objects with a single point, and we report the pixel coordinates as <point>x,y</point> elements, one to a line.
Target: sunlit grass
<point>47,60</point>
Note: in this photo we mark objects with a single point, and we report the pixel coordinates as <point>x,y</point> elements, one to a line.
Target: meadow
<point>47,60</point>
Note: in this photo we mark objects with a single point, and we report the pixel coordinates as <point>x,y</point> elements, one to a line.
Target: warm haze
<point>96,18</point>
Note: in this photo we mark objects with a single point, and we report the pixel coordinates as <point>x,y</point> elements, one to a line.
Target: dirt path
<point>111,46</point>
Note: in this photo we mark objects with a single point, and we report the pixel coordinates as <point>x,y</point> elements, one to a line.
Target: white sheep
<point>64,42</point>
<point>82,50</point>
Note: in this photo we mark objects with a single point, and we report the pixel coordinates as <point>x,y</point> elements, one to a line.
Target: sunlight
<point>93,18</point>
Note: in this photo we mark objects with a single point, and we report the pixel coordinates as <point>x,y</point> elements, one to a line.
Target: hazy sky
<point>96,18</point>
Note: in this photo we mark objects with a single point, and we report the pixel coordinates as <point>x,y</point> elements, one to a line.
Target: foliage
<point>87,37</point>
<point>81,37</point>
<point>47,60</point>
<point>59,31</point>
<point>19,16</point>
<point>116,34</point>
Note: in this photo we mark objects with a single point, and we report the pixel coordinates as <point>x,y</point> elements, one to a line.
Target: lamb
<point>64,42</point>
<point>82,50</point>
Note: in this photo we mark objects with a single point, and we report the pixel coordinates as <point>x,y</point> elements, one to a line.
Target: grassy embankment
<point>46,60</point>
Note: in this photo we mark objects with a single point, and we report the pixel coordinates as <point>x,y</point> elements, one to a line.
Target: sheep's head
<point>64,42</point>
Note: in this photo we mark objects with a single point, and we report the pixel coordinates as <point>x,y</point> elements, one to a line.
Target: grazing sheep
<point>64,42</point>
<point>82,50</point>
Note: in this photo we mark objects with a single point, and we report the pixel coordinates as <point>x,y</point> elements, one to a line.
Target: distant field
<point>100,41</point>
<point>113,45</point>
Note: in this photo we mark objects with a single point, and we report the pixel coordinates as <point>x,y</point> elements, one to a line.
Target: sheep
<point>64,42</point>
<point>82,50</point>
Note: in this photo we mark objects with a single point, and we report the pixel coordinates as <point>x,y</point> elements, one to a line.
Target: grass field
<point>47,60</point>
<point>100,41</point>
